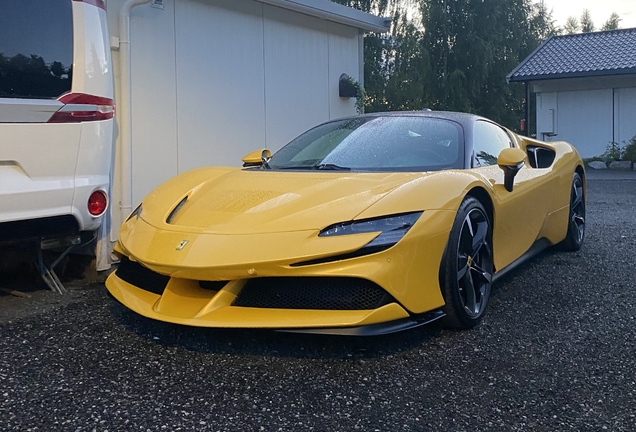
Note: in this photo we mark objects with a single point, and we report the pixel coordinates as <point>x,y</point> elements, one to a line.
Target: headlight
<point>135,214</point>
<point>391,228</point>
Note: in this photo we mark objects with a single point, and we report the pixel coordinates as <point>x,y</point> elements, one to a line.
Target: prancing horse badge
<point>182,245</point>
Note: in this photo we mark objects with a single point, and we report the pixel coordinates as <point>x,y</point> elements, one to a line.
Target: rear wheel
<point>576,223</point>
<point>466,273</point>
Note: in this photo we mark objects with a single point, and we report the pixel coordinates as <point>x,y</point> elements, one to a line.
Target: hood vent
<point>174,211</point>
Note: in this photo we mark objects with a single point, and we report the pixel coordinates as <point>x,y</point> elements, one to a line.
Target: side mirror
<point>256,158</point>
<point>511,160</point>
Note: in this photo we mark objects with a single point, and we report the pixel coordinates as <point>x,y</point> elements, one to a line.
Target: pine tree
<point>571,25</point>
<point>587,25</point>
<point>612,22</point>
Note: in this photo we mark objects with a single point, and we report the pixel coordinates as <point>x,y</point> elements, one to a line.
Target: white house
<point>585,87</point>
<point>203,82</point>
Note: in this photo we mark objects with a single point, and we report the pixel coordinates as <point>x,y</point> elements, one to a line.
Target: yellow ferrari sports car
<point>363,225</point>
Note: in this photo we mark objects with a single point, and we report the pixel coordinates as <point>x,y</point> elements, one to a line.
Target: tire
<point>467,267</point>
<point>576,222</point>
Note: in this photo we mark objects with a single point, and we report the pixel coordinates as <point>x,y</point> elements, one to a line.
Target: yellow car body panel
<point>183,302</point>
<point>242,224</point>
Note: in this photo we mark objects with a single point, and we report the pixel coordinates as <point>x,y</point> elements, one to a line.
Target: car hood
<point>235,201</point>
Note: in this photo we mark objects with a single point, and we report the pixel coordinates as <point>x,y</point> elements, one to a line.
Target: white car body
<point>56,151</point>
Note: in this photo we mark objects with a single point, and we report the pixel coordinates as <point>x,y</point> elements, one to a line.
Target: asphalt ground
<point>555,352</point>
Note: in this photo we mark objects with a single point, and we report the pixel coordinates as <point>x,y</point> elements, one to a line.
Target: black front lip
<point>374,329</point>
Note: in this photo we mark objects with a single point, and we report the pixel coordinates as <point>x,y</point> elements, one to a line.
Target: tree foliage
<point>542,23</point>
<point>612,22</point>
<point>22,76</point>
<point>571,25</point>
<point>473,46</point>
<point>455,54</point>
<point>587,25</point>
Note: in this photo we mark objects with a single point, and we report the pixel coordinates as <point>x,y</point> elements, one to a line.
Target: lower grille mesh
<point>312,293</point>
<point>141,277</point>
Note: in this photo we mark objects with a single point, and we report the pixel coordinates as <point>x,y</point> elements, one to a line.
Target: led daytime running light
<point>391,226</point>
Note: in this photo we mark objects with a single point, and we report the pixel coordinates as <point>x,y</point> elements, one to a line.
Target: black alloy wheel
<point>467,268</point>
<point>576,223</point>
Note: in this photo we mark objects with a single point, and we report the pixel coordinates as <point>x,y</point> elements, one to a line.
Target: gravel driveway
<point>556,351</point>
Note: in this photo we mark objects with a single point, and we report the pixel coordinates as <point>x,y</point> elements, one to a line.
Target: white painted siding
<point>296,73</point>
<point>589,119</point>
<point>154,99</point>
<point>343,43</point>
<point>215,79</point>
<point>220,81</point>
<point>625,123</point>
<point>583,118</point>
<point>546,115</point>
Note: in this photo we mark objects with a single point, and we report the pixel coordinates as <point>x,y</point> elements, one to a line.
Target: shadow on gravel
<point>272,343</point>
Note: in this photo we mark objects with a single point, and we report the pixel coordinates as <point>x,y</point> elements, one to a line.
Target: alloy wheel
<point>474,263</point>
<point>577,208</point>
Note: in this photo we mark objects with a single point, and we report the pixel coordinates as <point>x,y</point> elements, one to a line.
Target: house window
<point>36,48</point>
<point>488,141</point>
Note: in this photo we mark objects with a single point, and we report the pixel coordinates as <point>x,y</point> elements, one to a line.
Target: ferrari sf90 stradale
<point>362,225</point>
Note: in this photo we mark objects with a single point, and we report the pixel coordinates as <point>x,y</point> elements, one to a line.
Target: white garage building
<point>585,87</point>
<point>211,80</point>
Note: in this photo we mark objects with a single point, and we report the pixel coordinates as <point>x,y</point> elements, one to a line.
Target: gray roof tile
<point>577,55</point>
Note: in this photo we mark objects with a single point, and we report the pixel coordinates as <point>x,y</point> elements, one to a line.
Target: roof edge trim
<point>335,12</point>
<point>583,74</point>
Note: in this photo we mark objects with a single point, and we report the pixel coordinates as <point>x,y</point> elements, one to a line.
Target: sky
<point>600,10</point>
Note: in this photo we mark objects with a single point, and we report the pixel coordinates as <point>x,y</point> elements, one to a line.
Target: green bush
<point>629,150</point>
<point>613,152</point>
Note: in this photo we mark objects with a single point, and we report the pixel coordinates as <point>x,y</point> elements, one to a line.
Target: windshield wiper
<point>329,166</point>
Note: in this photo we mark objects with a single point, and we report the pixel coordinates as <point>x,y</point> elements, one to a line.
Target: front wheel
<point>576,223</point>
<point>467,267</point>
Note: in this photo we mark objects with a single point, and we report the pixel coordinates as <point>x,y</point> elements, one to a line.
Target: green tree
<point>571,25</point>
<point>408,70</point>
<point>395,64</point>
<point>587,25</point>
<point>542,22</point>
<point>473,45</point>
<point>455,57</point>
<point>612,22</point>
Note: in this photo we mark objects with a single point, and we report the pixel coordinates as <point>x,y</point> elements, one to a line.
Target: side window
<point>36,48</point>
<point>488,141</point>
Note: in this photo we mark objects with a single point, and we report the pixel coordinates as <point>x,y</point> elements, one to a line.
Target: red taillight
<point>97,203</point>
<point>80,107</point>
<point>99,3</point>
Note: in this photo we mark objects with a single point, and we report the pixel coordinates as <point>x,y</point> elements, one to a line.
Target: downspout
<point>527,113</point>
<point>125,108</point>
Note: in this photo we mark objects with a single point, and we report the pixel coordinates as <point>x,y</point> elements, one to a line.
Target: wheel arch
<point>580,171</point>
<point>481,195</point>
<point>485,199</point>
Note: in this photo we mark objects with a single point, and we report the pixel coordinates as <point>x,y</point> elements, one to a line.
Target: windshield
<point>376,144</point>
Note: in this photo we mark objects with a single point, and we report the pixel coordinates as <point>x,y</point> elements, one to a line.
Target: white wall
<point>215,79</point>
<point>220,82</point>
<point>296,72</point>
<point>625,119</point>
<point>154,98</point>
<point>588,119</point>
<point>589,112</point>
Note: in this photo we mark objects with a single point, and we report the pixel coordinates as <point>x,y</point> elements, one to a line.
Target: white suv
<point>56,117</point>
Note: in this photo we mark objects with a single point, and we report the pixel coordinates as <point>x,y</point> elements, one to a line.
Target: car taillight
<point>97,203</point>
<point>81,107</point>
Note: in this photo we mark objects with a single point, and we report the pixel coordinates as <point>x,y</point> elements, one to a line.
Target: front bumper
<point>184,302</point>
<point>407,272</point>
